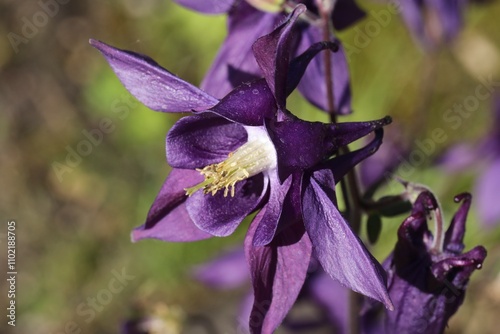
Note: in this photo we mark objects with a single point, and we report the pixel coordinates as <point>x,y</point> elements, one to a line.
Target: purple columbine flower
<point>427,274</point>
<point>251,19</point>
<point>485,156</point>
<point>434,22</point>
<point>248,152</point>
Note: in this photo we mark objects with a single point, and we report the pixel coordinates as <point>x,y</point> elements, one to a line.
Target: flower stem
<point>349,184</point>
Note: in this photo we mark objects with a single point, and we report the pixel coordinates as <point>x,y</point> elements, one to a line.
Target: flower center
<point>257,155</point>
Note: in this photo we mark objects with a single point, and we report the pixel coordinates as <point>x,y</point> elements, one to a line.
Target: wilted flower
<point>247,152</point>
<point>251,19</point>
<point>485,157</point>
<point>427,274</point>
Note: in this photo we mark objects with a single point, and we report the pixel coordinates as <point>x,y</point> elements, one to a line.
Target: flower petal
<point>207,6</point>
<point>201,140</point>
<point>247,104</point>
<point>346,13</point>
<point>269,222</point>
<point>273,53</point>
<point>302,145</point>
<point>228,271</point>
<point>454,237</point>
<point>313,83</point>
<point>332,297</point>
<point>278,272</point>
<point>168,219</point>
<point>235,61</point>
<point>340,252</point>
<point>487,195</point>
<point>151,84</point>
<point>219,215</point>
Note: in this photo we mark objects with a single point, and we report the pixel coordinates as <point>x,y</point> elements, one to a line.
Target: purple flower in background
<point>434,22</point>
<point>427,274</point>
<point>485,156</point>
<point>247,152</point>
<point>230,271</point>
<point>235,63</point>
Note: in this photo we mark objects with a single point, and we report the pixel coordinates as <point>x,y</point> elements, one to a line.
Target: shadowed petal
<point>346,13</point>
<point>207,6</point>
<point>153,85</point>
<point>313,83</point>
<point>269,222</point>
<point>278,273</point>
<point>219,215</point>
<point>168,219</point>
<point>340,252</point>
<point>246,24</point>
<point>202,140</point>
<point>225,272</point>
<point>273,53</point>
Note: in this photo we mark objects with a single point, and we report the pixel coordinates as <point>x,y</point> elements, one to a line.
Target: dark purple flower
<point>247,152</point>
<point>235,63</point>
<point>427,274</point>
<point>484,156</point>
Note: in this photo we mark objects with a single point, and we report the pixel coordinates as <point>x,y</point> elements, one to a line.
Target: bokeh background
<point>73,224</point>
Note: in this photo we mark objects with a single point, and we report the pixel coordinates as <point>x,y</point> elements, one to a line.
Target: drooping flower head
<point>251,19</point>
<point>247,152</point>
<point>427,274</point>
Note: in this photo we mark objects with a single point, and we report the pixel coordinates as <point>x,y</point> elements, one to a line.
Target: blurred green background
<point>73,227</point>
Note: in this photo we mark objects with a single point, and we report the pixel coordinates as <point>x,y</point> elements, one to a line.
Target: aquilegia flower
<point>434,22</point>
<point>427,274</point>
<point>485,157</point>
<point>247,152</point>
<point>251,19</point>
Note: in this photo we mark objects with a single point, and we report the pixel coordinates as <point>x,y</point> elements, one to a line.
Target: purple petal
<point>273,54</point>
<point>207,6</point>
<point>340,252</point>
<point>344,163</point>
<point>332,297</point>
<point>168,219</point>
<point>454,237</point>
<point>269,222</point>
<point>278,273</point>
<point>228,271</point>
<point>411,11</point>
<point>246,24</point>
<point>346,13</point>
<point>313,84</point>
<point>219,215</point>
<point>462,266</point>
<point>302,145</point>
<point>248,104</point>
<point>459,157</point>
<point>449,14</point>
<point>201,140</point>
<point>151,84</point>
<point>487,195</point>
